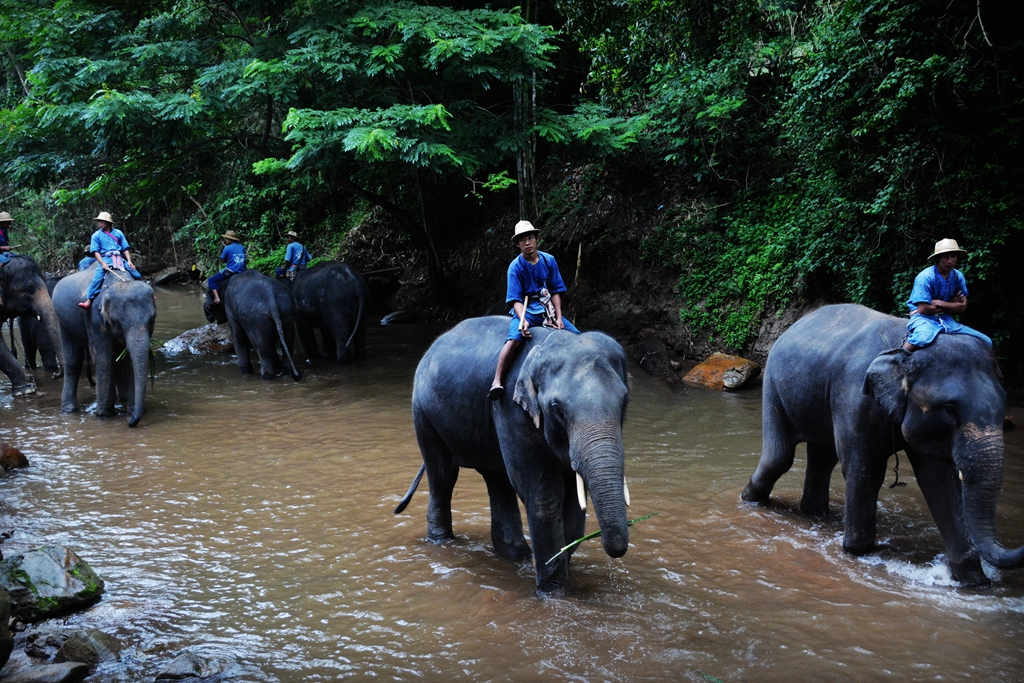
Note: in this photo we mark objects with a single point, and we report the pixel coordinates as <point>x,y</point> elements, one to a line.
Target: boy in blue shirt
<point>233,257</point>
<point>109,247</point>
<point>296,257</point>
<point>940,292</point>
<point>535,293</point>
<point>5,244</point>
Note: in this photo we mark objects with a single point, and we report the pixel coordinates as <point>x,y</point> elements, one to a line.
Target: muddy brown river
<point>250,522</point>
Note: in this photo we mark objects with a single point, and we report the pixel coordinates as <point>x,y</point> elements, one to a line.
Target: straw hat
<point>522,228</point>
<point>292,233</point>
<point>947,246</point>
<point>104,216</point>
<point>231,235</point>
<point>5,217</point>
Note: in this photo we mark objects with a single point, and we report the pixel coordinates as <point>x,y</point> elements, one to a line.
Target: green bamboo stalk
<point>594,534</point>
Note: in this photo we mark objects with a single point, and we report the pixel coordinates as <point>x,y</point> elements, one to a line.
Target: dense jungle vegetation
<point>769,150</point>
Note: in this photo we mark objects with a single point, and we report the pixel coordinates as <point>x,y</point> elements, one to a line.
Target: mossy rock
<point>47,582</point>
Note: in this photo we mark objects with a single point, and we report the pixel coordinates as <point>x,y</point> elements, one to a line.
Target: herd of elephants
<point>836,380</point>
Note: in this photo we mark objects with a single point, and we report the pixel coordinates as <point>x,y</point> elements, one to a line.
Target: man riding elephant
<point>110,248</point>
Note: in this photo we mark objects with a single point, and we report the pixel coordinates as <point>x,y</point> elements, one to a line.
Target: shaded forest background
<point>713,167</point>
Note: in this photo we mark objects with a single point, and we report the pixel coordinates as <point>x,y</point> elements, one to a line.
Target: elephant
<point>261,314</point>
<point>23,291</point>
<point>839,380</point>
<point>558,436</point>
<point>35,339</point>
<point>334,297</point>
<point>120,319</point>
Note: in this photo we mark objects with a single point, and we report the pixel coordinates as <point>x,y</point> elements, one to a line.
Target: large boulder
<point>170,275</point>
<point>89,646</point>
<point>722,371</point>
<point>47,582</point>
<point>200,341</point>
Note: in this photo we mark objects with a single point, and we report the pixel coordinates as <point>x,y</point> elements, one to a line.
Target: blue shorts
<point>535,320</point>
<point>923,329</point>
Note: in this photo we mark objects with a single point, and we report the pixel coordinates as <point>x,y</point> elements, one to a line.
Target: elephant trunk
<point>596,455</point>
<point>42,306</point>
<point>138,349</point>
<point>980,460</point>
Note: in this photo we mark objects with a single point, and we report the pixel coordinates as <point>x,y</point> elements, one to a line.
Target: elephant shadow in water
<point>334,298</point>
<point>119,323</point>
<point>556,438</point>
<point>261,314</point>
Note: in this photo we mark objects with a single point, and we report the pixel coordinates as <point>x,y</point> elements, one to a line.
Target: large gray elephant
<point>333,297</point>
<point>261,314</point>
<point>561,430</point>
<point>838,381</point>
<point>121,318</point>
<point>23,291</point>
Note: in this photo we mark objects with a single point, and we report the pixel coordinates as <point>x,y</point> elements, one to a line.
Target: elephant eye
<point>557,408</point>
<point>949,412</point>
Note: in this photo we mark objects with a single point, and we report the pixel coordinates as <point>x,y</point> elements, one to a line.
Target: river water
<point>250,522</point>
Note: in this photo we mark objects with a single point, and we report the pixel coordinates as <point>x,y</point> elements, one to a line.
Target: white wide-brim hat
<point>104,216</point>
<point>5,217</point>
<point>947,246</point>
<point>522,228</point>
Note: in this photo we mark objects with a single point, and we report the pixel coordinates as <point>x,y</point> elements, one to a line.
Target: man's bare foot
<point>85,304</point>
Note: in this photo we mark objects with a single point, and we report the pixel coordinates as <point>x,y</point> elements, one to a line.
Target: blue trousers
<point>923,329</point>
<point>218,279</point>
<point>97,278</point>
<point>535,320</point>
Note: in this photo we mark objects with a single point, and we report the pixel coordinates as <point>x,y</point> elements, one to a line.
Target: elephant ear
<point>886,381</point>
<point>526,387</point>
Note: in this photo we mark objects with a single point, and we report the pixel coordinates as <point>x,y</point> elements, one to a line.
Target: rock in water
<point>89,646</point>
<point>722,371</point>
<point>48,581</point>
<point>199,341</point>
<point>11,457</point>
<point>6,637</point>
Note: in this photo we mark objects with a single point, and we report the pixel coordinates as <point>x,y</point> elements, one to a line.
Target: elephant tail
<point>296,375</point>
<point>10,326</point>
<point>412,490</point>
<point>355,330</point>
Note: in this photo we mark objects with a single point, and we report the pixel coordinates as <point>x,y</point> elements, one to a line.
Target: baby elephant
<point>261,314</point>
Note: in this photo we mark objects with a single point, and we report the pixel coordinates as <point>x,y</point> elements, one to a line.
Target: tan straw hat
<point>292,233</point>
<point>522,228</point>
<point>947,246</point>
<point>231,235</point>
<point>104,216</point>
<point>5,217</point>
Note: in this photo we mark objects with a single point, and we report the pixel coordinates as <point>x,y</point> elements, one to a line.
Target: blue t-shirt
<point>233,255</point>
<point>930,285</point>
<point>3,235</point>
<point>526,279</point>
<point>296,255</point>
<point>108,242</point>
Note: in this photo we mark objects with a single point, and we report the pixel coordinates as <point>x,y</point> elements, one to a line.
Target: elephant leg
<point>74,357</point>
<point>266,348</point>
<point>243,348</point>
<point>506,520</point>
<point>307,337</point>
<point>778,448</point>
<point>574,518</point>
<point>21,384</point>
<point>544,503</point>
<point>821,460</point>
<point>940,484</point>
<point>103,357</point>
<point>330,345</point>
<point>442,473</point>
<point>864,469</point>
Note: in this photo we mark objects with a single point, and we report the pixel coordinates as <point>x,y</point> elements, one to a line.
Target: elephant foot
<point>968,572</point>
<point>270,375</point>
<point>858,548</point>
<point>245,369</point>
<point>23,390</point>
<point>752,495</point>
<point>517,552</point>
<point>440,538</point>
<point>71,408</point>
<point>814,508</point>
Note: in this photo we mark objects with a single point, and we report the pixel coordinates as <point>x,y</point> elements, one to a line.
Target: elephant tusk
<point>961,475</point>
<point>625,491</point>
<point>581,492</point>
